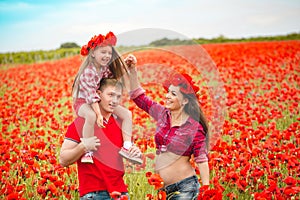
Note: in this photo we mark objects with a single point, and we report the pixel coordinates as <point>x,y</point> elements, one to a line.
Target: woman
<point>181,132</point>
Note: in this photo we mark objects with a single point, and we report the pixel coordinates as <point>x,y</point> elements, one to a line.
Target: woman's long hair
<point>193,109</point>
<point>116,65</point>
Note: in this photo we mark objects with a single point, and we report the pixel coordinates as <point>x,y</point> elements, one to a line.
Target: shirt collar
<point>110,119</point>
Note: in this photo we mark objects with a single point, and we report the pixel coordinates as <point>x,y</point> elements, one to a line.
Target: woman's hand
<point>130,61</point>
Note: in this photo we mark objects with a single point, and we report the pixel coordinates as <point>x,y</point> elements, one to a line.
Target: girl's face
<point>102,55</point>
<point>174,98</point>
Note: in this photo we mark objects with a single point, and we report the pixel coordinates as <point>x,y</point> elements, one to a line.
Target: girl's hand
<point>130,61</point>
<point>99,121</point>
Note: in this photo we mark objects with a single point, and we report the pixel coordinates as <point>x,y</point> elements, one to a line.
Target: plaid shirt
<point>184,140</point>
<point>89,83</point>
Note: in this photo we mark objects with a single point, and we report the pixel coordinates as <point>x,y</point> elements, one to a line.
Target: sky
<point>28,25</point>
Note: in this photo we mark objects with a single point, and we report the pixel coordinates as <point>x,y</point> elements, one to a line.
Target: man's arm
<point>71,151</point>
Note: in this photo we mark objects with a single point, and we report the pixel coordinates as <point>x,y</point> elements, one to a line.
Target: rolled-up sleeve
<point>200,147</point>
<point>153,108</point>
<point>89,83</point>
<point>137,92</point>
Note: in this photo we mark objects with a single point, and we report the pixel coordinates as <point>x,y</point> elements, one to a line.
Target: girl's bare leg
<point>126,116</point>
<point>89,115</point>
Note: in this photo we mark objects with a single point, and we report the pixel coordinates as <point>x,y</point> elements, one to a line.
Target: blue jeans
<point>99,195</point>
<point>187,188</point>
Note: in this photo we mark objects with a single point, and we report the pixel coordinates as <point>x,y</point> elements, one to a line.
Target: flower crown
<point>187,85</point>
<point>108,39</point>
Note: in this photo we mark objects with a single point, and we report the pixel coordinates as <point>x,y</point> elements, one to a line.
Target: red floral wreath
<point>108,39</point>
<point>184,81</point>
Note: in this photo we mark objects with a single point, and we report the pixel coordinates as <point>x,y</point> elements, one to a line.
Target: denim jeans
<point>185,189</point>
<point>99,195</point>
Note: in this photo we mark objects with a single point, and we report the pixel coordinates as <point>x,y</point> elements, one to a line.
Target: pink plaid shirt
<point>184,140</point>
<point>89,82</point>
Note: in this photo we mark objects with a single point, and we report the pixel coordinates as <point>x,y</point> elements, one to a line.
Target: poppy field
<point>250,94</point>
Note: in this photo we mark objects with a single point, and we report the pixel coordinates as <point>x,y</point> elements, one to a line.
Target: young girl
<point>102,61</point>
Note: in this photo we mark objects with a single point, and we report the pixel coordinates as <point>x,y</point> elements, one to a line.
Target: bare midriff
<point>173,168</point>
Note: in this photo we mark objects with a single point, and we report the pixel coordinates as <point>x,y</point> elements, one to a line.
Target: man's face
<point>110,98</point>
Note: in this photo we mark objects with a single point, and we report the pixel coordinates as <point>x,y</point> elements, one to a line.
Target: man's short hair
<point>110,82</point>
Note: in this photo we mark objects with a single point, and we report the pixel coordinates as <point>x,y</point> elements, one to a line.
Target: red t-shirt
<point>107,171</point>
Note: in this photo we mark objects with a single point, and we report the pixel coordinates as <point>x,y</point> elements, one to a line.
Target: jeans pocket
<point>88,196</point>
<point>193,186</point>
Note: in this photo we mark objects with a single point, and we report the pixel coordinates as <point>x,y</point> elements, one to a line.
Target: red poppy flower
<point>13,196</point>
<point>84,50</point>
<point>115,194</point>
<point>124,197</point>
<point>148,174</point>
<point>156,181</point>
<point>109,39</point>
<point>162,195</point>
<point>93,41</point>
<point>290,181</point>
<point>150,155</point>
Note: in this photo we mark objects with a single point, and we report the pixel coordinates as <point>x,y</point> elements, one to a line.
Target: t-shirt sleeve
<point>72,133</point>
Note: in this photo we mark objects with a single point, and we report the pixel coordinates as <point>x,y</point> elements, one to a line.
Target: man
<point>105,176</point>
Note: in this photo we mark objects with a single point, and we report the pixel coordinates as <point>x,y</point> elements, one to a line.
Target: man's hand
<point>90,143</point>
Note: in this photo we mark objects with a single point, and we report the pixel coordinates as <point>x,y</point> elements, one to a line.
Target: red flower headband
<point>109,39</point>
<point>187,85</point>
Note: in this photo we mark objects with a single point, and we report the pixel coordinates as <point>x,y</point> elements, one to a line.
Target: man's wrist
<point>83,147</point>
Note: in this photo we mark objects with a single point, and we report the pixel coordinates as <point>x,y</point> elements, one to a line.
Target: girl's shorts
<point>78,103</point>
